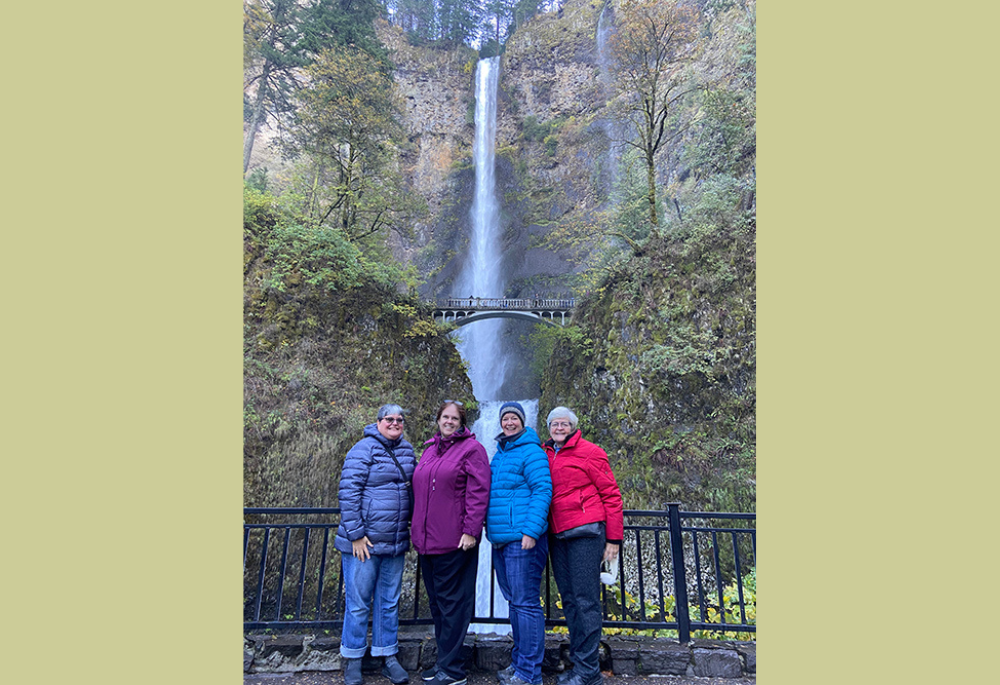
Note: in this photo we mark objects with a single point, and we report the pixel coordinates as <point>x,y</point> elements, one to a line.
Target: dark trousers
<point>450,580</point>
<point>576,564</point>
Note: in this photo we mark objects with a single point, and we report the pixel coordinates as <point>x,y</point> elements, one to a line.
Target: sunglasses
<point>393,419</point>
<point>455,402</point>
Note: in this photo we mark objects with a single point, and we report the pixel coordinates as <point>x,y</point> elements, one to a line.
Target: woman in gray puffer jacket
<point>373,536</point>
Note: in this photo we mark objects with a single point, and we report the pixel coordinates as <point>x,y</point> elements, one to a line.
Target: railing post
<point>680,576</point>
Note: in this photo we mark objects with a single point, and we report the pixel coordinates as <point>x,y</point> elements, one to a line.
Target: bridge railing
<point>526,304</point>
<point>678,571</point>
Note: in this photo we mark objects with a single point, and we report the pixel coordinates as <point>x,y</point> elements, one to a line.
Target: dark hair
<point>458,406</point>
<point>387,409</point>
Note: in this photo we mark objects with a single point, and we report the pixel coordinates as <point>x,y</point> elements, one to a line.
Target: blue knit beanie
<point>513,408</point>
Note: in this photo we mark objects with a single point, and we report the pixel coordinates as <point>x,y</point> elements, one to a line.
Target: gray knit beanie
<point>513,408</point>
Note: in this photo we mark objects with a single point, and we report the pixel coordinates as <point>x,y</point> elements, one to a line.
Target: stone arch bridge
<point>465,310</point>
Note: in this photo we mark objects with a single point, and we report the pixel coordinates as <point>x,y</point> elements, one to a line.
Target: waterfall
<point>610,124</point>
<point>482,277</point>
<point>481,342</point>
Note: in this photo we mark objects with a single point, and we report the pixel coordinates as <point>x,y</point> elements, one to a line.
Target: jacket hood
<point>371,431</point>
<point>528,435</point>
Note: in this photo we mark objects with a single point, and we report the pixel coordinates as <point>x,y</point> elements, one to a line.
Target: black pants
<point>450,580</point>
<point>576,564</point>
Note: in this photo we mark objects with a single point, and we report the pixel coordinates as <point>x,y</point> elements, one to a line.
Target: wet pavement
<point>478,678</point>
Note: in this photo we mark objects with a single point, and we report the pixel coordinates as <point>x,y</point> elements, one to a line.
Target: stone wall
<point>621,655</point>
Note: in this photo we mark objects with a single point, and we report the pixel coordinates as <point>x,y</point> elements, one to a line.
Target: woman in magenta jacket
<point>451,489</point>
<point>586,525</point>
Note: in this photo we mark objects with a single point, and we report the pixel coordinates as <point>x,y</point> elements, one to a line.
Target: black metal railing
<point>678,571</point>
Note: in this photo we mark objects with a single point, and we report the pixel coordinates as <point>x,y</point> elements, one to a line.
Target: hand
<point>467,542</point>
<point>527,542</point>
<point>610,551</point>
<point>361,549</point>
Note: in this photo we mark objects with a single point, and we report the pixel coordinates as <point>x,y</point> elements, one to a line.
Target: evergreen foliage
<point>660,362</point>
<point>346,133</point>
<point>280,37</point>
<point>328,338</point>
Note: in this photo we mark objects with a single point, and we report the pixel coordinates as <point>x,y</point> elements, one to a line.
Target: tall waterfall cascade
<point>482,276</point>
<point>480,345</point>
<point>611,125</point>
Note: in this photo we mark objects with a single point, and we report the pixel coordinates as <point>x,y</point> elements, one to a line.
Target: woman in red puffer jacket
<point>586,525</point>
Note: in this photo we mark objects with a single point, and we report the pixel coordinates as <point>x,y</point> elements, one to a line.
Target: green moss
<point>666,387</point>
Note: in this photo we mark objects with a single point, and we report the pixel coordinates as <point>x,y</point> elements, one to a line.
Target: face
<point>560,429</point>
<point>450,421</point>
<point>391,426</point>
<point>511,423</point>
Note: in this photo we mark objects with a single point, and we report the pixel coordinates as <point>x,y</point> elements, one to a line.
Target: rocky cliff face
<point>438,91</point>
<point>549,84</point>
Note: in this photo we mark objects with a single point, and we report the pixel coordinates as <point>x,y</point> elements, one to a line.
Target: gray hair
<point>563,413</point>
<point>387,409</point>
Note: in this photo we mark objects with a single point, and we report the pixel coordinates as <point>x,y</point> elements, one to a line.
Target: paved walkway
<point>479,678</point>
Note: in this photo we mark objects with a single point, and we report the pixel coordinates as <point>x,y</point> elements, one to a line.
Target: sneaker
<point>516,680</point>
<point>394,672</point>
<point>443,678</point>
<point>505,675</point>
<point>429,673</point>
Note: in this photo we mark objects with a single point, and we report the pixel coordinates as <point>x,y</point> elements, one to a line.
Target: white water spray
<point>480,344</point>
<point>481,276</point>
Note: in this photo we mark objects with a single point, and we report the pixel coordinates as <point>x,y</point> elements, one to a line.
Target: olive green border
<point>877,244</point>
<point>877,135</point>
<point>122,342</point>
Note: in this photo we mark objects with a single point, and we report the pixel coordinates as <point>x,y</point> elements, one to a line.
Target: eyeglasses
<point>455,402</point>
<point>393,419</point>
<point>560,424</point>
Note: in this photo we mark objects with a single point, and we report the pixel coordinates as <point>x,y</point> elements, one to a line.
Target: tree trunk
<point>258,112</point>
<point>651,186</point>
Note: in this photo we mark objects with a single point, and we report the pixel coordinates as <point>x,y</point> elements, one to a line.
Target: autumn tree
<point>280,37</point>
<point>347,127</point>
<point>655,42</point>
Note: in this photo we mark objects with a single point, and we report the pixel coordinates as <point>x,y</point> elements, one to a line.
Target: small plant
<point>714,612</point>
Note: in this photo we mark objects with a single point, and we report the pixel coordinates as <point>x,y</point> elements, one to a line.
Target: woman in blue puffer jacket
<point>516,523</point>
<point>373,536</point>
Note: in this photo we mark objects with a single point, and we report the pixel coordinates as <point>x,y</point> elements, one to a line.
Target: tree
<point>283,36</point>
<point>458,20</point>
<point>271,30</point>
<point>655,42</point>
<point>348,126</point>
<point>328,23</point>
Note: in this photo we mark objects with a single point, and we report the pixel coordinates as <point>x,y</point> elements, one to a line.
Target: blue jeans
<point>381,576</point>
<point>519,574</point>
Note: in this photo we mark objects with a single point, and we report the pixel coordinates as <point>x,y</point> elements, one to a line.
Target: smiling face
<point>391,426</point>
<point>511,423</point>
<point>449,421</point>
<point>560,429</point>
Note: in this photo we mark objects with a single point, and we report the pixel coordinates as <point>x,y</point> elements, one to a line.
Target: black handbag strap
<point>398,466</point>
